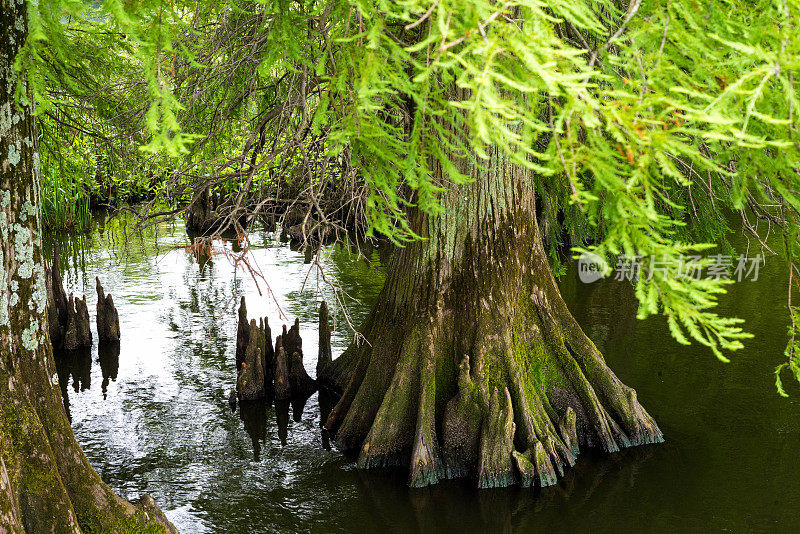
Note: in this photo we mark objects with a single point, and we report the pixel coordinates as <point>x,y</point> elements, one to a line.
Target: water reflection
<point>282,418</point>
<point>298,407</point>
<point>165,426</point>
<point>254,417</point>
<point>108,355</point>
<point>326,403</point>
<point>73,366</point>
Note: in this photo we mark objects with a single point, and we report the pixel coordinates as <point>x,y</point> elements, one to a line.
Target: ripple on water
<point>165,428</point>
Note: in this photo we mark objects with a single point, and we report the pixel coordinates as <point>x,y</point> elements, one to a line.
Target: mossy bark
<point>46,482</point>
<point>473,365</point>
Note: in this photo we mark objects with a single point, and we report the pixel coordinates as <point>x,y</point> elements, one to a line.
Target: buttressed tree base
<point>473,366</point>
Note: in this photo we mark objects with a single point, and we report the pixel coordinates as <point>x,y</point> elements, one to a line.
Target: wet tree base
<point>479,370</point>
<point>46,482</point>
<point>515,411</point>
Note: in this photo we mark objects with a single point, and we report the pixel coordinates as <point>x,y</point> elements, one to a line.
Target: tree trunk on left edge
<point>46,482</point>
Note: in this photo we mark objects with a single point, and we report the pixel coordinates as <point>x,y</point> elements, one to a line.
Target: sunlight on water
<point>157,420</point>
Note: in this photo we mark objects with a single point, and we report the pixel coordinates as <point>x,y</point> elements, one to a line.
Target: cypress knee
<point>250,383</point>
<point>242,335</point>
<point>59,295</point>
<point>324,356</point>
<point>53,320</point>
<point>282,387</point>
<point>301,385</point>
<point>107,316</point>
<point>56,302</point>
<point>199,216</point>
<point>268,353</point>
<point>84,329</point>
<point>78,334</point>
<point>292,342</point>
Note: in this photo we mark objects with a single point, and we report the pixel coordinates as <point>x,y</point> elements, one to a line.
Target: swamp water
<point>155,417</point>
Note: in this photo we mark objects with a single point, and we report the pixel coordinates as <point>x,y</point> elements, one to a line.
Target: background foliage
<point>647,124</point>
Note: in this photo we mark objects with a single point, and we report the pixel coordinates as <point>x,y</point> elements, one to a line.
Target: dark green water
<point>164,427</point>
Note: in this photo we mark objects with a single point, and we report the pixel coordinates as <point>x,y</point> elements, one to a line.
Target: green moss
<point>20,435</point>
<point>94,521</point>
<point>446,371</point>
<point>538,366</point>
<point>18,426</point>
<point>494,375</point>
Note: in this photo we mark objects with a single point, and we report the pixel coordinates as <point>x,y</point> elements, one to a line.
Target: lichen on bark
<point>46,482</point>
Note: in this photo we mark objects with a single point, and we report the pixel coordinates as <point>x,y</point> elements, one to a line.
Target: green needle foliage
<point>646,123</point>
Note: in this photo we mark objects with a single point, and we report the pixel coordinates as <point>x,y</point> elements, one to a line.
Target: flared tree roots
<point>514,409</point>
<point>473,366</point>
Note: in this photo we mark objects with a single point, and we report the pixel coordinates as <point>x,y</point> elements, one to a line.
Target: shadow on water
<point>161,422</point>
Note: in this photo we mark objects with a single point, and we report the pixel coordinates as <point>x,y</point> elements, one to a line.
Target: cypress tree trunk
<point>473,365</point>
<point>46,482</point>
<point>199,217</point>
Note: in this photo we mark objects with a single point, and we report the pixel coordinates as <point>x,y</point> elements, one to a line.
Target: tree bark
<point>473,365</point>
<point>199,218</point>
<point>324,354</point>
<point>107,316</point>
<point>46,482</point>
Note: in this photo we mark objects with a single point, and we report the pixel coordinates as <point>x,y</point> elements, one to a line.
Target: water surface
<point>157,420</point>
